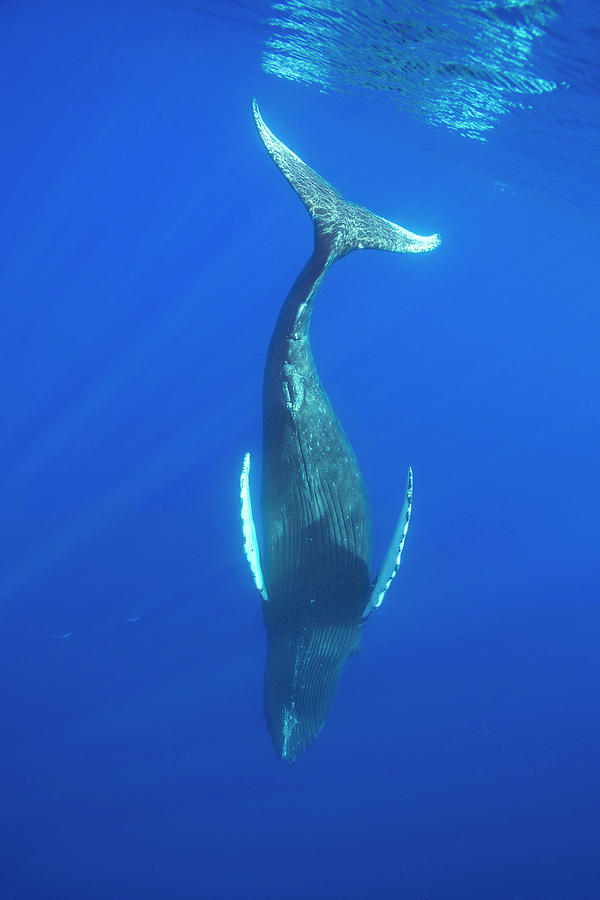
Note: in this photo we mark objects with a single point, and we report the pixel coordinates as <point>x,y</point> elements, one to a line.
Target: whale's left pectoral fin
<point>248,529</point>
<point>391,562</point>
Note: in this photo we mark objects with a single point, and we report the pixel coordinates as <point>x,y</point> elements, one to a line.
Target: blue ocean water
<point>146,244</point>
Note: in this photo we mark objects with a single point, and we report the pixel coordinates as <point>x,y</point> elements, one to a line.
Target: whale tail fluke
<point>343,226</point>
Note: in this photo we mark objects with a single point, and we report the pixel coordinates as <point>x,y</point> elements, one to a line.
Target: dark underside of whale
<point>315,574</point>
<point>316,563</point>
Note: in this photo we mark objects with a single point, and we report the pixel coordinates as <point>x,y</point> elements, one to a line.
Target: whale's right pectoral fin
<point>248,529</point>
<point>391,562</point>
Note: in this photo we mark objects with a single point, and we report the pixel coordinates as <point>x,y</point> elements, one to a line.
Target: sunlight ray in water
<point>460,65</point>
<point>155,473</point>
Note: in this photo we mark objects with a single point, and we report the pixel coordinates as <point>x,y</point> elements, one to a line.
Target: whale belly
<point>315,507</point>
<point>317,541</point>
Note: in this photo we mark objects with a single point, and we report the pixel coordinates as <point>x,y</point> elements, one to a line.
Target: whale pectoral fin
<point>391,562</point>
<point>248,529</point>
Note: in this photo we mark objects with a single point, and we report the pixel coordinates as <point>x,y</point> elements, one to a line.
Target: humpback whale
<point>314,570</point>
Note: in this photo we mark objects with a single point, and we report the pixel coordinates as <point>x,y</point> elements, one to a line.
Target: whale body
<point>314,572</point>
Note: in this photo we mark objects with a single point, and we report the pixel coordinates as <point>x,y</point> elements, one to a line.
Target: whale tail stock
<point>342,226</point>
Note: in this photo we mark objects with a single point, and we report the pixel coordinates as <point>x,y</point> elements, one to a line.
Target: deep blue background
<point>146,244</point>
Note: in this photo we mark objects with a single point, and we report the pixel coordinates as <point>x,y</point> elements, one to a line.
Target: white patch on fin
<point>248,529</point>
<point>392,559</point>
